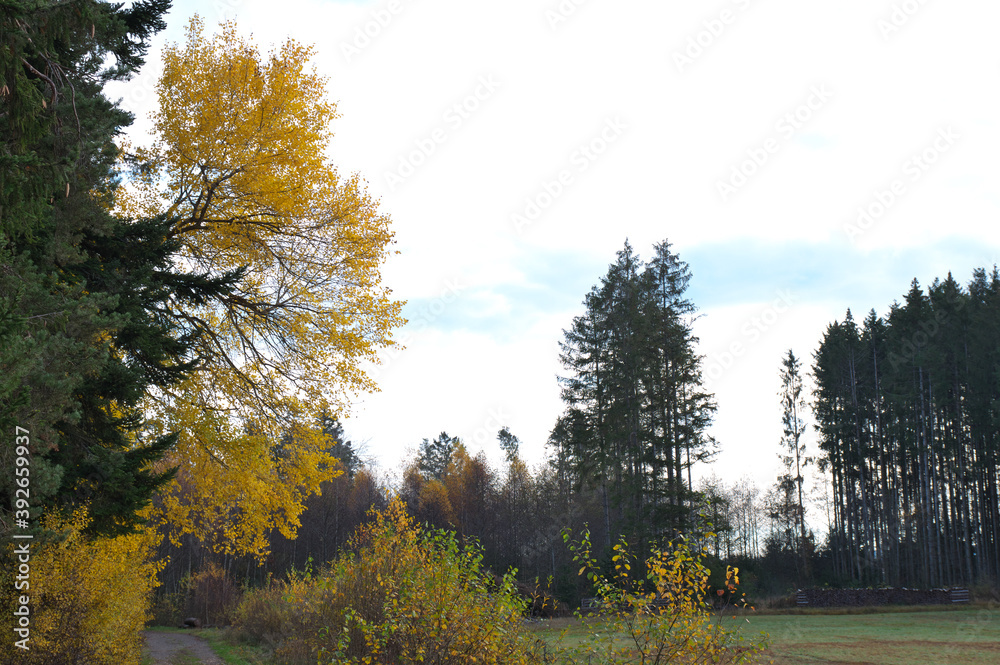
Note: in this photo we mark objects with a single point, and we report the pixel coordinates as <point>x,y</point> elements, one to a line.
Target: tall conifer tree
<point>906,409</point>
<point>635,415</point>
<point>83,295</point>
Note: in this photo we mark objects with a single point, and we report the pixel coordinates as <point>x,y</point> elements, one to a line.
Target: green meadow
<point>969,636</point>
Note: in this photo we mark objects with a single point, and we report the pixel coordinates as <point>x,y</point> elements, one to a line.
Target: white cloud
<point>686,129</point>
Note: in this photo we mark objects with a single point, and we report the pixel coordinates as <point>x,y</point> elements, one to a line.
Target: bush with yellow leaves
<point>89,598</point>
<point>404,595</point>
<point>660,612</point>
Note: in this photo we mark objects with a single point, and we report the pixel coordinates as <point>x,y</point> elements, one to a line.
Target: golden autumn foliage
<point>236,482</point>
<point>659,612</point>
<point>468,480</point>
<point>240,163</point>
<point>89,597</point>
<point>433,505</point>
<point>404,595</point>
<point>457,498</point>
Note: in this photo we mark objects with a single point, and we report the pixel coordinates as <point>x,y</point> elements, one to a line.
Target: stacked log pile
<point>867,597</point>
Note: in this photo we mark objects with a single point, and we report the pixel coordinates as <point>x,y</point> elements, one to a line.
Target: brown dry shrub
<point>212,596</point>
<point>285,616</point>
<point>259,617</point>
<point>984,593</point>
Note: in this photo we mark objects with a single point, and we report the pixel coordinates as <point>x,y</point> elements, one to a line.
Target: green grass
<point>964,637</point>
<point>571,633</point>
<point>967,636</point>
<point>232,653</point>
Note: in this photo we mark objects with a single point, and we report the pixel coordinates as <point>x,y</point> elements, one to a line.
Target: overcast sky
<point>802,158</point>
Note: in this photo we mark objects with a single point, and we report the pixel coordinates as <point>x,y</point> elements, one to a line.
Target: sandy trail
<point>176,648</point>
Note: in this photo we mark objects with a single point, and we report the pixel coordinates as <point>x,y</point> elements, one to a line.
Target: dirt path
<point>179,649</point>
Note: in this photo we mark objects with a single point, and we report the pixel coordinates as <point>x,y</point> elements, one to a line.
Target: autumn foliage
<point>240,163</point>
<point>89,597</point>
<point>661,611</point>
<point>402,595</point>
<point>234,487</point>
<point>246,272</point>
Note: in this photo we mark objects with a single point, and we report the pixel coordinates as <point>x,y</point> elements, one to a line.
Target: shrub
<point>89,598</point>
<point>539,601</point>
<point>662,609</point>
<point>287,616</point>
<point>212,596</point>
<point>259,618</point>
<point>166,610</point>
<point>404,595</point>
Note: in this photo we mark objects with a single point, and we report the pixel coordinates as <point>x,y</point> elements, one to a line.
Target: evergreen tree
<point>55,125</point>
<point>101,451</point>
<point>343,450</point>
<point>508,443</point>
<point>635,415</point>
<point>84,296</point>
<point>906,410</point>
<point>435,455</point>
<point>793,456</point>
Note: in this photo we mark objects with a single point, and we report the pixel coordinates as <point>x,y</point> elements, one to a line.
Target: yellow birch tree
<point>240,163</point>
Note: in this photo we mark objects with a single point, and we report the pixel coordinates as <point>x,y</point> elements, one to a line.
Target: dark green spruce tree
<point>342,448</point>
<point>85,298</point>
<point>906,408</point>
<point>635,415</point>
<point>435,455</point>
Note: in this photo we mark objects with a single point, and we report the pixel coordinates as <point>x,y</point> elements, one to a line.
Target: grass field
<point>945,637</point>
<point>898,636</point>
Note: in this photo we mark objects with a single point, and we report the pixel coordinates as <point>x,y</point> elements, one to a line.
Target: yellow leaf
<point>240,160</point>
